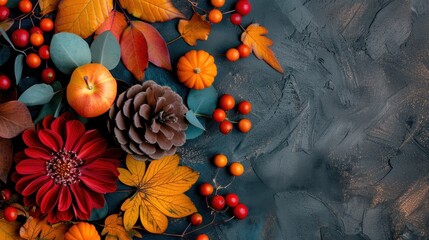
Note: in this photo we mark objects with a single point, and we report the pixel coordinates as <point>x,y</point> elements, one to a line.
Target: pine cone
<point>148,120</point>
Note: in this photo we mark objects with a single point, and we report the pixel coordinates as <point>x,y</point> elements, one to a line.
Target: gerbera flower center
<point>63,167</point>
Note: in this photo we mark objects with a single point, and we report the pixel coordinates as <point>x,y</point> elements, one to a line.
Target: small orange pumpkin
<point>196,69</point>
<point>82,231</point>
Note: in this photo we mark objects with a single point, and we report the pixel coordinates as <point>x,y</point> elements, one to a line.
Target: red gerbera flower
<point>65,170</point>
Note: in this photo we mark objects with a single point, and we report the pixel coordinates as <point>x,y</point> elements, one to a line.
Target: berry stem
<point>228,12</point>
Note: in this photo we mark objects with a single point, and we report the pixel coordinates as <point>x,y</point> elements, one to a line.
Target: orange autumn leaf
<point>82,17</point>
<point>195,29</point>
<point>116,23</point>
<point>134,52</point>
<point>34,229</point>
<point>48,6</point>
<point>9,230</point>
<point>158,51</point>
<point>114,228</point>
<point>152,10</point>
<point>255,38</point>
<point>159,192</point>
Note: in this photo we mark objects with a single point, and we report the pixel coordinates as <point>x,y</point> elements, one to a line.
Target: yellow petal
<point>131,208</point>
<point>136,167</point>
<point>127,178</point>
<point>180,182</point>
<point>160,170</point>
<point>152,219</point>
<point>177,206</point>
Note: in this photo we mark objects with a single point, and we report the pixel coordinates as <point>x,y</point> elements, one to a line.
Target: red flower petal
<point>36,152</point>
<point>64,215</point>
<point>31,166</point>
<point>74,131</point>
<point>43,190</point>
<point>31,139</point>
<point>98,200</point>
<point>50,199</point>
<point>86,137</point>
<point>92,149</point>
<point>35,185</point>
<point>58,125</point>
<point>82,199</point>
<point>23,181</point>
<point>100,185</point>
<point>46,123</point>
<point>51,139</point>
<point>65,199</point>
<point>99,164</point>
<point>19,156</point>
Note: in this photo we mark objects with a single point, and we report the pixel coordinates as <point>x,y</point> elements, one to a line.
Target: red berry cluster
<point>226,103</point>
<point>4,10</point>
<point>10,213</point>
<point>242,51</point>
<point>242,8</point>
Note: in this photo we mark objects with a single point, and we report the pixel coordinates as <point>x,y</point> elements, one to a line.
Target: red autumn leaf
<point>134,52</point>
<point>6,158</point>
<point>14,118</point>
<point>158,51</point>
<point>116,23</point>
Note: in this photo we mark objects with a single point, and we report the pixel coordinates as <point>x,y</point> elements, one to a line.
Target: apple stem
<point>87,84</point>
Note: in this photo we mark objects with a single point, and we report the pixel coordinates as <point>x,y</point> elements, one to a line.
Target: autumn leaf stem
<point>172,41</point>
<point>242,28</point>
<point>117,3</point>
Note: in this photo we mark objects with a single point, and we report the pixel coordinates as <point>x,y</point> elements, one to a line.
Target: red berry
<point>225,127</point>
<point>244,107</point>
<point>196,219</point>
<point>33,60</point>
<point>240,211</point>
<point>206,189</point>
<point>48,75</point>
<point>5,194</point>
<point>243,7</point>
<point>25,6</point>
<point>4,13</point>
<point>44,52</point>
<point>20,38</point>
<point>218,202</point>
<point>226,102</point>
<point>35,30</point>
<point>46,24</point>
<point>244,50</point>
<point>235,19</point>
<point>4,82</point>
<point>10,214</point>
<point>231,200</point>
<point>202,236</point>
<point>218,115</point>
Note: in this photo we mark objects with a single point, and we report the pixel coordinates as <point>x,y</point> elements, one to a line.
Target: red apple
<point>92,90</point>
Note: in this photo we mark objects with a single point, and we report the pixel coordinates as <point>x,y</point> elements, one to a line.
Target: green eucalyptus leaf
<point>192,119</point>
<point>4,54</point>
<point>193,132</point>
<point>69,51</point>
<point>105,50</point>
<point>37,94</point>
<point>203,101</point>
<point>4,34</point>
<point>19,65</point>
<point>52,108</point>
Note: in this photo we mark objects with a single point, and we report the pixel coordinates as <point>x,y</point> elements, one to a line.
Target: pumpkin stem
<point>86,81</point>
<point>197,70</point>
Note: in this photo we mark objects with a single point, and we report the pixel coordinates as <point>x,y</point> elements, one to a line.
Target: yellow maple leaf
<point>195,29</point>
<point>40,229</point>
<point>9,230</point>
<point>255,38</point>
<point>114,228</point>
<point>152,10</point>
<point>82,17</point>
<point>48,6</point>
<point>159,192</point>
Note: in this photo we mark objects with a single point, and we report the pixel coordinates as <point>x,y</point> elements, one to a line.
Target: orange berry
<point>220,160</point>
<point>46,24</point>
<point>25,6</point>
<point>202,236</point>
<point>244,125</point>
<point>226,102</point>
<point>206,189</point>
<point>232,55</point>
<point>236,169</point>
<point>36,39</point>
<point>218,3</point>
<point>33,60</point>
<point>3,2</point>
<point>215,16</point>
<point>244,50</point>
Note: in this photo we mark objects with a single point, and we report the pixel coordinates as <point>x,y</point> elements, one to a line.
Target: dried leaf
<point>158,51</point>
<point>82,17</point>
<point>152,10</point>
<point>40,229</point>
<point>255,38</point>
<point>5,25</point>
<point>14,119</point>
<point>116,23</point>
<point>48,6</point>
<point>195,29</point>
<point>114,228</point>
<point>134,52</point>
<point>9,230</point>
<point>6,158</point>
<point>160,192</point>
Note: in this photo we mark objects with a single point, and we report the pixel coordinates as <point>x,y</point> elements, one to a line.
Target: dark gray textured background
<point>340,143</point>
